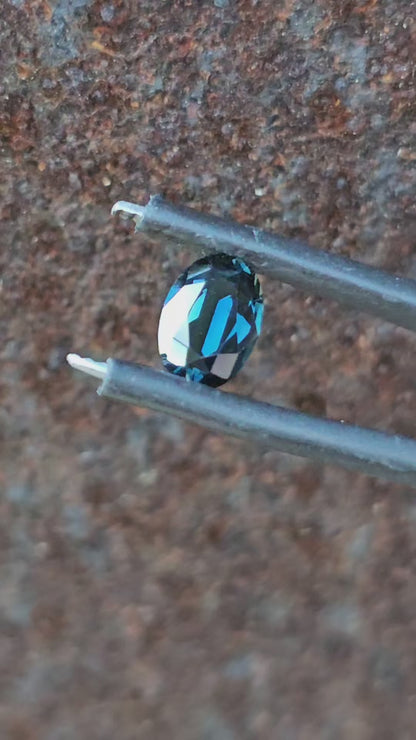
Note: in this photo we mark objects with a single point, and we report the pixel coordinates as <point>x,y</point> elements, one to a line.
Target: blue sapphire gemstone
<point>210,320</point>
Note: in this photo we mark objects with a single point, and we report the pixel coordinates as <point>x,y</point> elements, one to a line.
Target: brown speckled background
<point>158,581</point>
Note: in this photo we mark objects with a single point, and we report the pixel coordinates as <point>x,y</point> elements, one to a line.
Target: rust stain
<point>47,10</point>
<point>24,71</point>
<point>97,46</point>
<point>365,8</point>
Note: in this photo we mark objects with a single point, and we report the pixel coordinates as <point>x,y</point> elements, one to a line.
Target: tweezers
<point>350,283</point>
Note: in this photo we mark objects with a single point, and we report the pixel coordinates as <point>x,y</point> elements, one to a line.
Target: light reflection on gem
<point>197,307</point>
<point>217,326</point>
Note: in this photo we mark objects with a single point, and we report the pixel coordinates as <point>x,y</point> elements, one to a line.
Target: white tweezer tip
<point>128,209</point>
<point>88,366</point>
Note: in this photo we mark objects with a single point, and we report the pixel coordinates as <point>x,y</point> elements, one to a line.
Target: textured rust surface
<point>158,581</point>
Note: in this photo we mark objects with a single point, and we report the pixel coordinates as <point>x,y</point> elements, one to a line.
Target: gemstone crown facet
<point>210,320</point>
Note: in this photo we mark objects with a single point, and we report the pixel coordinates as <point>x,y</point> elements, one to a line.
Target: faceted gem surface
<point>210,320</point>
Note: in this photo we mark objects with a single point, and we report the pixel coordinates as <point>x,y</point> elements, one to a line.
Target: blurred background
<point>157,580</point>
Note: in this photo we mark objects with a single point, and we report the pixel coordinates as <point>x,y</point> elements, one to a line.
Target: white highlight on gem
<point>224,364</point>
<point>173,334</point>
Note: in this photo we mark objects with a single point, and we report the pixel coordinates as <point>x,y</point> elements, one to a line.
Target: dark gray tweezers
<point>350,283</point>
<point>290,431</point>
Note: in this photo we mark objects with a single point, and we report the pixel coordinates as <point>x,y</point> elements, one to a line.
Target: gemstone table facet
<point>210,320</point>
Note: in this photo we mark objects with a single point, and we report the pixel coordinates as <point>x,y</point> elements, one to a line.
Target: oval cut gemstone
<point>210,320</point>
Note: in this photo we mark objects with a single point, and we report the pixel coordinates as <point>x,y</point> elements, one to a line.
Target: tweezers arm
<point>352,284</point>
<point>323,440</point>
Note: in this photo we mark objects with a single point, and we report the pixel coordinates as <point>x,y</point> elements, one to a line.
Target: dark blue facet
<point>210,320</point>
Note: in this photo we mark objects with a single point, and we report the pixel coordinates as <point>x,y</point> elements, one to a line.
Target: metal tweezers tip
<point>127,210</point>
<point>88,366</point>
